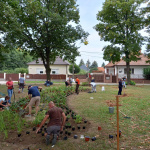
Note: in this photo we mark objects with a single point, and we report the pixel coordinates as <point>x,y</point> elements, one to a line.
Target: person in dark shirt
<point>120,87</point>
<point>35,100</point>
<point>57,120</point>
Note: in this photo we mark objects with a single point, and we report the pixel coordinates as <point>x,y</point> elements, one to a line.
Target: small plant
<point>78,119</point>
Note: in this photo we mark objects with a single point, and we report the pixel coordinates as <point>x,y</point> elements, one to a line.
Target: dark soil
<point>31,140</point>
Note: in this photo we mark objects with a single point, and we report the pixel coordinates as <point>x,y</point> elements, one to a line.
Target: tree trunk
<point>73,69</point>
<point>128,72</point>
<point>48,72</point>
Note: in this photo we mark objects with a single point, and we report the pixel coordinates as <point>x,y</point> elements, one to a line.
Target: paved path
<point>4,83</point>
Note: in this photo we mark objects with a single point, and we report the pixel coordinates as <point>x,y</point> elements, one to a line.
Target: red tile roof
<point>141,62</point>
<point>101,69</point>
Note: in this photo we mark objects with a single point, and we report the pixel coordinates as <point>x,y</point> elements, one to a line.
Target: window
<point>39,70</point>
<point>55,71</point>
<point>131,70</point>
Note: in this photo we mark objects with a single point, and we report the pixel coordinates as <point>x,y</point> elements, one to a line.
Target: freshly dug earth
<point>35,141</point>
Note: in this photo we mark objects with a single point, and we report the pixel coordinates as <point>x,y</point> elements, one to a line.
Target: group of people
<point>55,115</point>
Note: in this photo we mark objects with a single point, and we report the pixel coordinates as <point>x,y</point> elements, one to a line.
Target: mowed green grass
<point>135,131</point>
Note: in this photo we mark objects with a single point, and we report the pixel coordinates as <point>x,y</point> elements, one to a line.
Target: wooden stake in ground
<point>117,102</point>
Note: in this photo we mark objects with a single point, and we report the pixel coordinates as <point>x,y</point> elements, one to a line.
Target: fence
<point>2,75</point>
<point>15,77</point>
<point>44,77</point>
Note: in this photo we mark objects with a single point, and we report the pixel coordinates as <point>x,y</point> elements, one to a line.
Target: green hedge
<point>131,83</point>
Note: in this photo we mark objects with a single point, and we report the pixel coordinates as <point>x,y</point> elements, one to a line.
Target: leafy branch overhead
<point>43,28</point>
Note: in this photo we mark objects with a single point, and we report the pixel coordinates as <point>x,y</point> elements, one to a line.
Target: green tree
<point>14,59</point>
<point>88,63</point>
<point>103,64</point>
<point>76,68</point>
<point>81,63</point>
<point>120,23</point>
<point>43,28</point>
<point>146,11</point>
<point>94,65</point>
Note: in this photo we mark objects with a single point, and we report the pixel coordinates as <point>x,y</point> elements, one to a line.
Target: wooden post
<point>117,102</point>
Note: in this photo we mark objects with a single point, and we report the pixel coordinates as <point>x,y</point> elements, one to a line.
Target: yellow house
<point>59,67</point>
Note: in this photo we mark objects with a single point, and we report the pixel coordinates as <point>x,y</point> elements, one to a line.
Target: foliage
<point>21,70</point>
<point>146,11</point>
<point>146,73</point>
<point>76,69</point>
<point>78,119</point>
<point>14,59</point>
<point>40,116</point>
<point>81,63</point>
<point>131,82</point>
<point>82,72</point>
<point>85,83</point>
<point>93,69</point>
<point>9,121</point>
<point>94,66</point>
<point>121,28</point>
<point>88,63</point>
<point>103,64</point>
<point>42,28</point>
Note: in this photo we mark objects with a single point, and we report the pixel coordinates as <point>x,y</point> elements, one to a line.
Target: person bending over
<point>35,100</point>
<point>4,102</point>
<point>57,120</point>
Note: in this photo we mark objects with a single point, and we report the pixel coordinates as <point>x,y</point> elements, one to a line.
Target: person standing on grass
<point>56,123</point>
<point>120,87</point>
<point>35,100</point>
<point>77,85</point>
<point>10,87</point>
<point>21,83</point>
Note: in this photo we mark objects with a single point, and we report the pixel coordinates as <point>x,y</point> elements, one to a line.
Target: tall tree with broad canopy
<point>81,63</point>
<point>120,23</point>
<point>43,27</point>
<point>146,11</point>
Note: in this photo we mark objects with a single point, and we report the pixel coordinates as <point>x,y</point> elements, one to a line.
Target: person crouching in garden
<point>120,87</point>
<point>35,100</point>
<point>4,102</point>
<point>56,123</point>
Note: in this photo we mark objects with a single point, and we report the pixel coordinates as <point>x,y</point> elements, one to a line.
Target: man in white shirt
<point>93,85</point>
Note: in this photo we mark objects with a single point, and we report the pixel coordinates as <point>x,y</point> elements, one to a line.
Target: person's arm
<point>1,103</point>
<point>42,123</point>
<point>8,85</point>
<point>64,120</point>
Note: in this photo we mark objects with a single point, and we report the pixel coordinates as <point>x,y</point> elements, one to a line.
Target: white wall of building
<point>55,69</point>
<point>138,71</point>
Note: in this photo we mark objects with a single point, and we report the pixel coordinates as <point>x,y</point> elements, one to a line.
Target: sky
<point>93,51</point>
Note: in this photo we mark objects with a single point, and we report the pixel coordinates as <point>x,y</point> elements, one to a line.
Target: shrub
<point>84,83</point>
<point>146,73</point>
<point>131,83</point>
<point>21,70</point>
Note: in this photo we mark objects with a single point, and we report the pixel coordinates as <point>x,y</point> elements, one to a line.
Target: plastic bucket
<point>111,110</point>
<point>87,138</point>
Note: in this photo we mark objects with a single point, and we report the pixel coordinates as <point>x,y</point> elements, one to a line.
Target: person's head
<point>22,75</point>
<point>51,104</point>
<point>76,77</point>
<point>92,77</point>
<point>10,79</point>
<point>29,87</point>
<point>7,98</point>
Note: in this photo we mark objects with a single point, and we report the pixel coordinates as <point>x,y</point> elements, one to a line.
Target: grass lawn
<point>135,131</point>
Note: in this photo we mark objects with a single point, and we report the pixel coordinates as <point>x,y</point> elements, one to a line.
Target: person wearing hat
<point>35,100</point>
